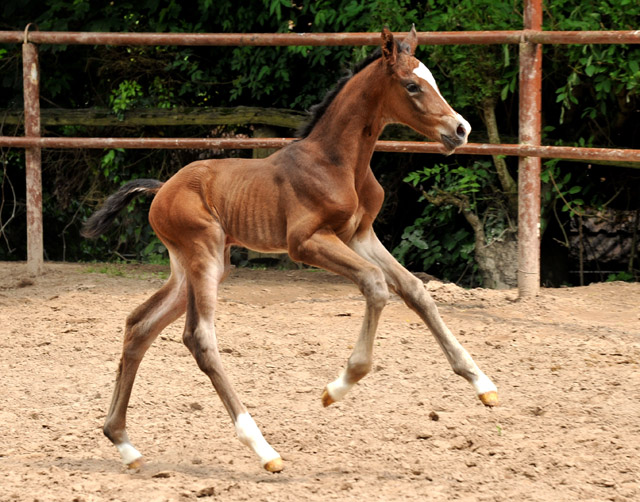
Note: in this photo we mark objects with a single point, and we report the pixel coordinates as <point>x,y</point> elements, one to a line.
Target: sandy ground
<point>566,365</point>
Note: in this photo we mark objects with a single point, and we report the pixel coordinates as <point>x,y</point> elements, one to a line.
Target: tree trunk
<point>509,185</point>
<point>497,261</point>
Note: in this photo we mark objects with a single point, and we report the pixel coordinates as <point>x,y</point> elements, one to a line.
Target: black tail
<point>99,221</point>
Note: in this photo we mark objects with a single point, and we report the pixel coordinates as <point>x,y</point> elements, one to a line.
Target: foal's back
<point>258,203</point>
<point>240,197</point>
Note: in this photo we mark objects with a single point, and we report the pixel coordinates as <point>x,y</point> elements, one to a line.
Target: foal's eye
<point>412,88</point>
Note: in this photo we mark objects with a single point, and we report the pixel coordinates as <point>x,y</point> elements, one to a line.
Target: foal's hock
<point>315,199</point>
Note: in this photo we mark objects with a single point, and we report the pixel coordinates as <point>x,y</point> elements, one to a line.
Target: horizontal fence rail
<point>529,150</point>
<point>320,39</point>
<point>516,150</point>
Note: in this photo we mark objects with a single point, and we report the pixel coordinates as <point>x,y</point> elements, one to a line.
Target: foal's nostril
<point>461,131</point>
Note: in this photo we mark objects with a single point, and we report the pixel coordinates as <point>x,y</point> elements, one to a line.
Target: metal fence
<point>529,150</point>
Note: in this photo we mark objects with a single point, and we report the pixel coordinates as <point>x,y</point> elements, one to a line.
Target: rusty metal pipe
<point>530,121</point>
<point>582,37</point>
<point>257,39</point>
<point>549,152</point>
<point>31,82</point>
<point>322,39</point>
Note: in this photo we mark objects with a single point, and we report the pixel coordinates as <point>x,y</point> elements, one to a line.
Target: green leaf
<point>504,93</point>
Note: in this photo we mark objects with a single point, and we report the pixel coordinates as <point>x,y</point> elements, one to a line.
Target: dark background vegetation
<point>590,98</point>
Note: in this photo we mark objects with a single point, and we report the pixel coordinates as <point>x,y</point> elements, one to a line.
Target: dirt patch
<point>566,365</point>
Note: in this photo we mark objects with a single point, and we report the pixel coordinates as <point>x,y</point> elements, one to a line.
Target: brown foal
<point>315,199</point>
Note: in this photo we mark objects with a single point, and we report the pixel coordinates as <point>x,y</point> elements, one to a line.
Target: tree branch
<point>462,203</point>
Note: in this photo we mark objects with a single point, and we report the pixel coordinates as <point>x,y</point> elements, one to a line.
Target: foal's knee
<point>203,347</point>
<point>136,338</point>
<point>413,293</point>
<point>374,288</point>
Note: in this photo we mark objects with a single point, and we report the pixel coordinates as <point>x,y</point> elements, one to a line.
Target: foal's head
<point>413,97</point>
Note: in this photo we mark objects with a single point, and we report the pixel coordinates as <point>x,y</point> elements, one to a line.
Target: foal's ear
<point>389,50</point>
<point>411,39</point>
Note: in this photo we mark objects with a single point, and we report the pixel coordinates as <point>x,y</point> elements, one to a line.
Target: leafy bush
<point>591,95</point>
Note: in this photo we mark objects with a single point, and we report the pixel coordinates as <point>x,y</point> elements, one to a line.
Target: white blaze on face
<point>425,74</point>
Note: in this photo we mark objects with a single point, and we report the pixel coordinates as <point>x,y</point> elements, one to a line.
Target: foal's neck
<point>350,127</point>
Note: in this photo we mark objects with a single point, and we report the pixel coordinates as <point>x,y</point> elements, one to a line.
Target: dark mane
<point>317,111</point>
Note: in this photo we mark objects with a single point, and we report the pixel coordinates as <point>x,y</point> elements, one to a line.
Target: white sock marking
<point>339,387</point>
<point>250,435</point>
<point>483,384</point>
<point>128,453</point>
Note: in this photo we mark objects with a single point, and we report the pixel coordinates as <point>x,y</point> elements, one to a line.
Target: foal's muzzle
<point>450,142</point>
<point>458,136</point>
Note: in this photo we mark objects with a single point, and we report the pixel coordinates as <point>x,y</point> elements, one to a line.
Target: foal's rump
<point>238,196</point>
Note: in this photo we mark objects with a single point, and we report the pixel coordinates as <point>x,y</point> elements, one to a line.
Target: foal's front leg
<point>326,250</point>
<point>412,291</point>
<point>360,361</point>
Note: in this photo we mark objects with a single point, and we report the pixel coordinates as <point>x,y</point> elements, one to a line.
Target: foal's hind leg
<point>206,270</point>
<point>142,327</point>
<point>412,291</point>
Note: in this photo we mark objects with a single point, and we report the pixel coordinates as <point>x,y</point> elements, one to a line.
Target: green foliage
<point>596,86</point>
<point>455,179</point>
<point>561,188</point>
<point>591,97</point>
<point>621,276</point>
<point>155,252</point>
<point>112,163</point>
<point>125,97</point>
<point>437,242</point>
<point>474,73</point>
<point>595,79</point>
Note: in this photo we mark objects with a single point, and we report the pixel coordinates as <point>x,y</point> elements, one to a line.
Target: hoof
<point>136,464</point>
<point>326,398</point>
<point>274,465</point>
<point>489,399</point>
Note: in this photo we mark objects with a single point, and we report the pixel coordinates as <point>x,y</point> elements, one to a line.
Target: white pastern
<point>339,387</point>
<point>425,74</point>
<point>250,435</point>
<point>483,384</point>
<point>128,453</point>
